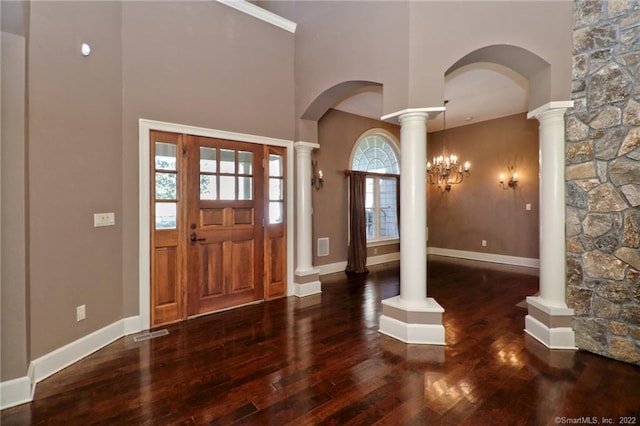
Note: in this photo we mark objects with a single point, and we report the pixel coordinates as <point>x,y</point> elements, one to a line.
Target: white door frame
<point>144,199</point>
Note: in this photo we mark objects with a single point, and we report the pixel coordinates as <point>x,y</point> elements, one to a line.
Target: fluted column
<point>549,318</point>
<point>412,317</point>
<point>306,280</point>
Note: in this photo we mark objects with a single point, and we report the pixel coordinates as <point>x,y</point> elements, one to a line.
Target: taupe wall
<point>14,309</point>
<point>202,64</point>
<point>195,63</point>
<point>347,40</point>
<point>338,132</point>
<point>478,209</point>
<point>408,46</point>
<point>75,170</point>
<point>541,27</point>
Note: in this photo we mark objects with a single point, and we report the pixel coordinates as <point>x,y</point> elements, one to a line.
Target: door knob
<point>193,237</point>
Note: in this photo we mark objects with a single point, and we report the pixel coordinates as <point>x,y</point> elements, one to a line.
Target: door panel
<point>167,264</point>
<point>224,215</point>
<point>275,235</point>
<point>211,267</point>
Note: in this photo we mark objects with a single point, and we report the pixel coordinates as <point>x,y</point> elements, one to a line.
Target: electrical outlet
<point>527,206</point>
<point>81,312</point>
<point>104,219</point>
<point>484,243</point>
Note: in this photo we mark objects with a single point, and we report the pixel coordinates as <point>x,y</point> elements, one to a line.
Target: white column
<point>552,206</point>
<point>549,317</point>
<point>306,279</point>
<point>413,211</point>
<point>412,317</point>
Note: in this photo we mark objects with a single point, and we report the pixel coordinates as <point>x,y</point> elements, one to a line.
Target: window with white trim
<point>376,152</point>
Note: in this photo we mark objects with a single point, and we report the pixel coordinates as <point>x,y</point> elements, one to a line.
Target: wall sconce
<point>317,178</point>
<point>513,179</point>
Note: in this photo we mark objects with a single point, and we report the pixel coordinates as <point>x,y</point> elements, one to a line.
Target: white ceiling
<point>476,92</point>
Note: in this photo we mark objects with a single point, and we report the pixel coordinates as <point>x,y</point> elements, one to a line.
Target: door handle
<point>193,237</point>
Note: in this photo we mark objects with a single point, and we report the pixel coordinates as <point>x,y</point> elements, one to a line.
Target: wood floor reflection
<point>321,360</point>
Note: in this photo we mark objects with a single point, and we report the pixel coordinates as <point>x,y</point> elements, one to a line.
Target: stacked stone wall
<point>603,179</point>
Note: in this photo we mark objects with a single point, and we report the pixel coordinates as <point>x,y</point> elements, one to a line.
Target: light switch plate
<point>104,219</point>
<point>527,206</point>
<point>81,312</point>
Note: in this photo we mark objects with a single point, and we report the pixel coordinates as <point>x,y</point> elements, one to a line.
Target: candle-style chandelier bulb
<point>445,170</point>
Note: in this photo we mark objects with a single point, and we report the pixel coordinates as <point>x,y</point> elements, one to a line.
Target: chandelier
<point>445,170</point>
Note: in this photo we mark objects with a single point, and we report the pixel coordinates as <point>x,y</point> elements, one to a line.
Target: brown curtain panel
<point>357,256</point>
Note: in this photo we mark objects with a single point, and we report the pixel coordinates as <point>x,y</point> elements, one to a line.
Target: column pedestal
<point>412,317</point>
<point>413,323</point>
<point>549,318</point>
<point>307,283</point>
<point>550,325</point>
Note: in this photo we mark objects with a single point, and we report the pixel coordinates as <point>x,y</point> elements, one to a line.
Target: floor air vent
<point>148,336</point>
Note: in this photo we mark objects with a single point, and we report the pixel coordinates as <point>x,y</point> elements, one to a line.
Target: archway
<point>549,319</point>
<point>306,279</point>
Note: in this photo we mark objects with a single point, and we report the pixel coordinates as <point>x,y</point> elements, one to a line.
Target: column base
<point>307,282</point>
<point>550,324</point>
<point>419,324</point>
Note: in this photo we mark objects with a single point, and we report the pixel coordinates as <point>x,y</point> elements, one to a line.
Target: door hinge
<point>263,163</point>
<point>184,150</point>
<point>263,222</point>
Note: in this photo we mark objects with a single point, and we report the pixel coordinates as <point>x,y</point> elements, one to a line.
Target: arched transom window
<point>376,152</point>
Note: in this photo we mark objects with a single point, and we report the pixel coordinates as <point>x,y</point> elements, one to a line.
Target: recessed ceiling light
<point>469,118</point>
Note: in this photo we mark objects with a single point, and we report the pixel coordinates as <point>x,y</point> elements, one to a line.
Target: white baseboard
<point>13,391</point>
<point>552,338</point>
<point>307,289</point>
<point>332,268</point>
<point>485,257</point>
<point>419,334</point>
<point>132,325</point>
<point>55,361</point>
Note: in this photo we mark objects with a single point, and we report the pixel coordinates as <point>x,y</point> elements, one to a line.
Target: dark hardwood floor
<point>321,360</point>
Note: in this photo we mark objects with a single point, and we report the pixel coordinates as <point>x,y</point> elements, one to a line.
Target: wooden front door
<point>225,212</point>
<point>218,237</point>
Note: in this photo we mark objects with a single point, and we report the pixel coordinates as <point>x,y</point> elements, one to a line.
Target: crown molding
<point>262,14</point>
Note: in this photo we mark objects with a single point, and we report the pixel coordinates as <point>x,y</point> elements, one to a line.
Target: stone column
<point>549,318</point>
<point>412,317</point>
<point>306,279</point>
